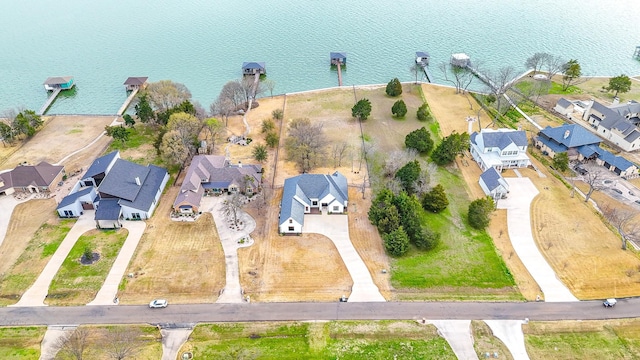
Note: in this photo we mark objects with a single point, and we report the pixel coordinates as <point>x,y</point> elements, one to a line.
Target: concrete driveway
<point>36,294</point>
<point>458,335</point>
<point>7,204</point>
<point>336,228</point>
<point>109,289</point>
<point>518,205</point>
<point>232,292</point>
<point>510,333</point>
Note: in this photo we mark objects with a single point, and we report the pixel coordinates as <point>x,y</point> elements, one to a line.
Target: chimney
<point>138,181</point>
<point>566,134</point>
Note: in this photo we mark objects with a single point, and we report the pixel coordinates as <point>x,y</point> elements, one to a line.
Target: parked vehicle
<point>617,190</point>
<point>158,303</point>
<point>610,303</point>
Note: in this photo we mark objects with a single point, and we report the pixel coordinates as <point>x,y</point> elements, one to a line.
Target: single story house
<point>564,107</point>
<point>213,175</point>
<point>43,177</point>
<point>493,184</point>
<point>501,148</point>
<point>311,193</point>
<point>116,189</point>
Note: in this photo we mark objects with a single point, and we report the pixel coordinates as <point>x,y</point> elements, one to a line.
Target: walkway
<point>36,294</point>
<point>336,228</point>
<point>109,289</point>
<point>518,205</point>
<point>232,292</point>
<point>49,101</point>
<point>126,103</point>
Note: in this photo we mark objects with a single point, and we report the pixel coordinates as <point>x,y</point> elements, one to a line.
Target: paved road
<point>203,313</point>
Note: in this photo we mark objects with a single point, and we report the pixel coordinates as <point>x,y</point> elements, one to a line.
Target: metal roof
<point>71,198</point>
<point>136,80</point>
<point>253,65</point>
<point>57,80</point>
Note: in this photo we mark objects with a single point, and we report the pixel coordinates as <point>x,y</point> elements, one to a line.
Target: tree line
<point>19,125</point>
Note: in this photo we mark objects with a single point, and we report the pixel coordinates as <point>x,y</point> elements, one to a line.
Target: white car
<point>609,303</point>
<point>158,303</point>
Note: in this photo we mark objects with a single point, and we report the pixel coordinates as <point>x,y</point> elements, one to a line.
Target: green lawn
<point>31,262</point>
<point>464,266</point>
<point>331,340</point>
<point>78,284</point>
<point>21,342</point>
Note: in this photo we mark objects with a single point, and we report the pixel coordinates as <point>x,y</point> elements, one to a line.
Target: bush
<point>479,212</point>
<point>424,114</point>
<point>361,110</point>
<point>435,200</point>
<point>397,242</point>
<point>420,140</point>
<point>399,109</point>
<point>394,88</point>
<point>428,239</point>
<point>272,139</point>
<point>267,126</point>
<point>277,114</point>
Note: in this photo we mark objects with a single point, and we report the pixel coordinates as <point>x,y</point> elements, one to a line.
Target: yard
<point>21,342</point>
<point>80,278</point>
<point>319,340</point>
<point>33,237</point>
<point>180,261</point>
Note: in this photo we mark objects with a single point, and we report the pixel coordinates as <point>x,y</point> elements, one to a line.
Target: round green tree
<point>361,110</point>
<point>619,84</point>
<point>435,200</point>
<point>394,88</point>
<point>420,140</point>
<point>399,109</point>
<point>480,211</point>
<point>396,242</point>
<point>424,114</point>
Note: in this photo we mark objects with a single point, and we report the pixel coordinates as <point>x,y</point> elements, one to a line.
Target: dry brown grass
<point>60,136</point>
<point>485,342</point>
<point>451,109</point>
<point>181,261</point>
<point>290,268</point>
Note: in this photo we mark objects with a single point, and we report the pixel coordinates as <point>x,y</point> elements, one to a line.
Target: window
<point>291,228</point>
<point>68,213</point>
<point>135,216</point>
<point>336,208</point>
<point>314,203</point>
<point>290,221</point>
<point>306,208</point>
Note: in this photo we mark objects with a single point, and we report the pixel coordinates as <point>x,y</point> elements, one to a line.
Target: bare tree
<point>338,152</point>
<point>553,65</point>
<point>536,61</point>
<point>234,93</point>
<point>270,85</point>
<point>306,143</point>
<point>460,77</point>
<point>122,342</point>
<point>622,221</point>
<point>416,69</point>
<point>231,206</point>
<point>396,159</point>
<point>201,113</point>
<point>166,94</point>
<point>188,127</point>
<point>594,180</point>
<point>250,89</point>
<point>500,82</point>
<point>73,344</point>
<point>222,107</point>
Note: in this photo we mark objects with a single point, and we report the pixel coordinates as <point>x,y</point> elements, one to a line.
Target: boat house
<point>338,58</point>
<point>135,82</point>
<point>460,60</point>
<point>422,58</point>
<point>252,68</point>
<point>58,82</point>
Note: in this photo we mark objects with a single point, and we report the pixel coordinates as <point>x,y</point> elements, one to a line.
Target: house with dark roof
<point>252,68</point>
<point>617,124</point>
<point>500,149</point>
<point>493,184</point>
<point>580,144</point>
<point>311,193</point>
<point>135,82</point>
<point>121,189</point>
<point>564,107</point>
<point>214,175</point>
<point>43,177</point>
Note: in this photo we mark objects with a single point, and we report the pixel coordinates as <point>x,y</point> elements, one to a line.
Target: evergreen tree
<point>399,109</point>
<point>408,208</point>
<point>424,114</point>
<point>449,148</point>
<point>408,174</point>
<point>480,211</point>
<point>435,200</point>
<point>420,140</point>
<point>396,242</point>
<point>394,87</point>
<point>561,161</point>
<point>427,239</point>
<point>618,84</point>
<point>361,110</point>
<point>144,112</point>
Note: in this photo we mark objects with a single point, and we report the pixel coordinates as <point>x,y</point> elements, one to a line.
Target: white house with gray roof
<point>617,124</point>
<point>117,189</point>
<point>493,184</point>
<point>311,193</point>
<point>564,107</point>
<point>500,149</point>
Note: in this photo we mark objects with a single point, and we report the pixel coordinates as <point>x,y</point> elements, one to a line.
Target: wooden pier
<point>49,101</point>
<point>339,74</point>
<point>133,84</point>
<point>636,54</point>
<point>124,106</point>
<point>427,75</point>
<point>338,59</point>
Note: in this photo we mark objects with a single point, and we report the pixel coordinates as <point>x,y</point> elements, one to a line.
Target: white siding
<point>284,227</point>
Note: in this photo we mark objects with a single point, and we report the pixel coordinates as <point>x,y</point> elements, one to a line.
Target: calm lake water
<point>202,43</point>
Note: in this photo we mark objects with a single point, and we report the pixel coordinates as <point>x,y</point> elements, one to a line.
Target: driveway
<point>36,294</point>
<point>510,333</point>
<point>232,292</point>
<point>109,289</point>
<point>518,205</point>
<point>336,228</point>
<point>7,204</point>
<point>458,335</point>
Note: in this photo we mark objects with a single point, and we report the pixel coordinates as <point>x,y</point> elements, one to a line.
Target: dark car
<point>617,190</point>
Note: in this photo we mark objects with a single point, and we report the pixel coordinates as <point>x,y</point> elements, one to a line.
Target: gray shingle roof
<point>148,190</point>
<point>136,80</point>
<point>338,55</point>
<point>576,136</point>
<point>253,65</point>
<point>71,198</point>
<point>57,80</point>
<point>100,165</point>
<point>491,178</point>
<point>564,103</point>
<point>120,182</point>
<point>502,139</point>
<point>41,175</point>
<point>108,209</point>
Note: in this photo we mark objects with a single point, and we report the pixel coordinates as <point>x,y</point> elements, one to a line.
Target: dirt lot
<point>181,261</point>
<point>59,137</point>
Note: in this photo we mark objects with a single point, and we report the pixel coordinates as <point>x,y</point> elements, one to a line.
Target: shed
<point>252,68</point>
<point>493,184</point>
<point>135,82</point>
<point>422,58</point>
<point>58,82</point>
<point>338,58</point>
<point>460,60</point>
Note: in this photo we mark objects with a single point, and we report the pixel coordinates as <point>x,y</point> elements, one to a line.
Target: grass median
<point>77,283</point>
<point>21,342</point>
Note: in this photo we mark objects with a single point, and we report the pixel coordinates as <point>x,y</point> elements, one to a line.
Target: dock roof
<point>338,55</point>
<point>57,80</point>
<point>422,54</point>
<point>253,65</point>
<point>136,80</point>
